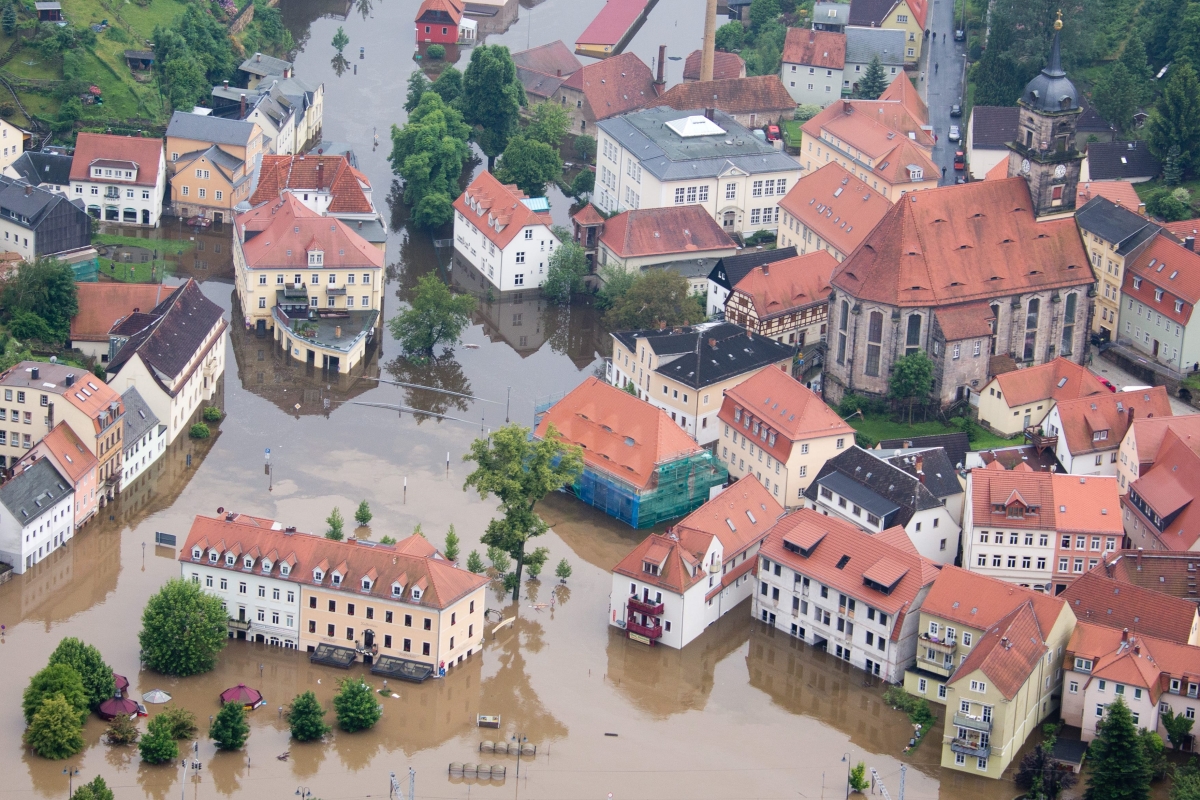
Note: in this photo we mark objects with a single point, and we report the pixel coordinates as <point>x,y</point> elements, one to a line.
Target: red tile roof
<point>786,407</point>
<point>969,320</point>
<point>450,8</point>
<point>906,95</point>
<point>488,204</point>
<point>787,285</point>
<point>725,65</point>
<point>287,230</point>
<point>331,174</point>
<point>611,24</point>
<point>1169,573</point>
<point>620,434</point>
<point>678,569</point>
<point>444,583</point>
<point>1148,436</point>
<point>672,230</point>
<point>1167,265</point>
<point>865,124</point>
<point>554,58</point>
<point>1007,651</point>
<point>588,215</point>
<point>764,94</point>
<point>998,172</point>
<point>91,395</point>
<point>71,455</point>
<point>1170,489</point>
<point>1144,661</point>
<point>995,485</point>
<point>1083,417</point>
<point>102,305</point>
<point>958,243</point>
<point>1046,382</point>
<point>615,85</point>
<point>979,601</point>
<point>146,153</point>
<point>1113,604</point>
<point>1090,504</point>
<point>1119,192</point>
<point>738,517</point>
<point>835,205</point>
<point>824,49</point>
<point>1184,228</point>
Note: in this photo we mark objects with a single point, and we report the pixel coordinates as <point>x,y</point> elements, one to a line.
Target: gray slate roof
<point>34,492</point>
<point>731,269</point>
<point>177,328</point>
<point>1114,161</point>
<point>890,485</point>
<point>668,156</point>
<point>841,13</point>
<point>940,476</point>
<point>26,209</point>
<point>206,128</point>
<point>1115,224</point>
<point>708,354</point>
<point>956,445</point>
<point>992,127</point>
<point>539,84</point>
<point>863,44</point>
<point>139,419</point>
<point>259,64</point>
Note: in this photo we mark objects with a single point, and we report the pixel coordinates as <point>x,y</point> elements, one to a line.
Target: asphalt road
<point>943,85</point>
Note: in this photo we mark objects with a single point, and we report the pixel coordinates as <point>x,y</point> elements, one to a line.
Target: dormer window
<point>1099,436</point>
<point>916,174</point>
<point>1016,511</point>
<point>316,258</point>
<point>266,566</point>
<point>318,576</point>
<point>337,579</point>
<point>1158,293</point>
<point>366,584</point>
<point>1178,306</point>
<point>1137,283</point>
<point>650,567</point>
<point>397,590</point>
<point>212,556</point>
<point>284,570</point>
<point>737,415</point>
<point>195,554</point>
<point>416,593</point>
<point>229,559</point>
<point>248,562</point>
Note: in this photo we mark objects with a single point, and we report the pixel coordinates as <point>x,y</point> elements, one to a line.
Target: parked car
<point>956,110</point>
<point>772,133</point>
<point>960,160</point>
<point>1107,383</point>
<point>955,133</point>
<point>960,36</point>
<point>961,179</point>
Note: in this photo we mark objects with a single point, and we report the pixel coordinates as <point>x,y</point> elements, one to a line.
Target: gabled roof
<point>1120,193</point>
<point>1007,651</point>
<point>763,94</point>
<point>992,127</point>
<point>1165,572</point>
<point>29,206</point>
<point>738,517</point>
<point>933,466</point>
<point>554,59</point>
<point>1183,229</point>
<point>958,243</point>
<point>671,230</point>
<point>588,215</point>
<point>731,269</point>
<point>1090,504</point>
<point>496,209</point>
<point>280,233</point>
<point>36,167</point>
<point>874,126</point>
<point>259,64</point>
<point>439,11</point>
<point>865,44</point>
<point>71,455</point>
<point>718,353</point>
<point>786,285</point>
<point>1057,380</point>
<point>1121,160</point>
<point>91,395</point>
<point>620,434</point>
<point>1144,661</point>
<point>786,407</point>
<point>1148,435</point>
<point>812,48</point>
<point>1169,489</point>
<point>873,12</point>
<point>904,93</point>
<point>147,153</point>
<point>139,419</point>
<point>885,490</point>
<point>837,206</point>
<point>181,324</point>
<point>31,493</point>
<point>321,173</point>
<point>678,569</point>
<point>207,128</point>
<point>615,85</point>
<point>1116,224</point>
<point>978,601</point>
<point>1084,416</point>
<point>965,321</point>
<point>725,65</point>
<point>1167,265</point>
<point>1100,600</point>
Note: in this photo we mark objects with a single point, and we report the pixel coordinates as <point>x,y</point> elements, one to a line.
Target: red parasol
<point>122,682</point>
<point>117,706</point>
<point>242,694</point>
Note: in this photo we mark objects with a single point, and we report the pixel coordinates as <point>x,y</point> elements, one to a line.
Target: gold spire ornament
<point>1058,22</point>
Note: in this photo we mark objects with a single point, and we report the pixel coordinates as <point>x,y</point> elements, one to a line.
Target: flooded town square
<point>743,712</point>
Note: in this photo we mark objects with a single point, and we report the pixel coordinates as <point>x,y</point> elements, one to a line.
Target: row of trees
<point>59,697</point>
<point>38,299</point>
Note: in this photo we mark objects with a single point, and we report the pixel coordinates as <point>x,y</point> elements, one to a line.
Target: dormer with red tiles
<point>503,234</point>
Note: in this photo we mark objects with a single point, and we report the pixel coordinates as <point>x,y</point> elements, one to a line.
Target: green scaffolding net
<point>677,488</point>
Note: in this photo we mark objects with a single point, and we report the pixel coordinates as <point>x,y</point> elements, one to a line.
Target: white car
<point>955,133</point>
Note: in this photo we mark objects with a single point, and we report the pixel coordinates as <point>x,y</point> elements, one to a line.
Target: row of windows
<point>201,192</point>
<point>981,560</point>
<point>298,279</point>
<point>113,192</point>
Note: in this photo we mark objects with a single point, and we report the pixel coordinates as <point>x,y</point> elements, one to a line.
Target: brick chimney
<point>1129,418</point>
<point>1125,634</point>
<point>846,106</point>
<point>766,268</point>
<point>662,66</point>
<point>242,113</point>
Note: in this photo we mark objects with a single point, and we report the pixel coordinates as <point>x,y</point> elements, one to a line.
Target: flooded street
<point>741,713</point>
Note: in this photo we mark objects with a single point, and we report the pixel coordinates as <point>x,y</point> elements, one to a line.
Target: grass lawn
<point>880,428</point>
<point>791,132</point>
<point>172,246</point>
<point>136,272</point>
<point>28,63</point>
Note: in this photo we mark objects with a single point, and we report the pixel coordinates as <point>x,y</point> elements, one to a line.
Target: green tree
<point>1172,169</point>
<point>9,19</point>
<point>306,718</point>
<point>731,36</point>
<point>55,680</point>
<point>763,12</point>
<point>121,731</point>
<point>356,706</point>
<point>1186,785</point>
<point>178,722</point>
<point>1120,770</point>
<point>387,540</point>
<point>428,153</point>
<point>335,525</point>
<point>451,550</point>
<point>474,562</point>
<point>499,558</point>
<point>95,789</point>
<point>230,730</point>
<point>363,515</point>
<point>98,681</point>
<point>44,287</point>
<point>858,777</point>
<point>615,282</point>
<point>529,164</point>
<point>1177,726</point>
<point>1116,96</point>
<point>564,273</point>
<point>763,57</point>
<point>55,731</point>
<point>1175,120</point>
<point>158,746</point>
<point>563,570</point>
<point>340,40</point>
<point>418,85</point>
<point>183,629</point>
<point>583,184</point>
<point>436,52</point>
<point>448,85</point>
<point>519,471</point>
<point>492,98</point>
<point>536,561</point>
<point>585,147</point>
<point>435,317</point>
<point>27,326</point>
<point>912,379</point>
<point>548,124</point>
<point>1156,754</point>
<point>1138,65</point>
<point>805,111</point>
<point>1185,37</point>
<point>1042,776</point>
<point>874,81</point>
<point>654,297</point>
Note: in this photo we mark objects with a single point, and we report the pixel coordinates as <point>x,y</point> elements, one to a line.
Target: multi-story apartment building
<point>119,178</point>
<point>1086,432</point>
<point>812,65</point>
<point>787,301</point>
<point>66,451</point>
<point>1145,440</point>
<point>1112,235</point>
<point>1020,399</point>
<point>829,209</point>
<point>1160,292</point>
<point>38,222</point>
<point>901,15</point>
<point>1106,601</point>
<point>145,437</point>
<point>35,515</point>
<point>1158,511</point>
<point>855,595</point>
<point>503,234</point>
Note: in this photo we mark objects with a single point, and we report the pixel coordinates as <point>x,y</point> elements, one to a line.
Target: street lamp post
<point>303,793</point>
<point>520,739</point>
<point>71,773</point>
<point>846,758</point>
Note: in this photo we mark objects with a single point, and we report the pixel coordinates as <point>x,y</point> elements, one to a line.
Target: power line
<point>435,389</point>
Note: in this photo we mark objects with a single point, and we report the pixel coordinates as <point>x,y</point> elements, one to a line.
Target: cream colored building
<point>1016,400</point>
<point>1112,235</point>
<point>12,143</point>
<point>1142,442</point>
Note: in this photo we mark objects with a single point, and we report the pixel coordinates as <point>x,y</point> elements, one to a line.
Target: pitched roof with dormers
<point>836,206</point>
<point>1165,494</point>
<point>331,174</point>
<point>496,210</point>
<point>672,230</point>
<point>91,395</point>
<point>812,48</point>
<point>1100,600</point>
<point>1084,417</point>
<point>788,410</point>
<point>1148,662</point>
<point>787,285</point>
<point>979,601</point>
<point>146,153</point>
<point>958,243</point>
<point>738,518</point>
<point>1168,267</point>
<point>279,235</point>
<point>1148,434</point>
<point>1057,380</point>
<point>1166,572</point>
<point>70,454</point>
<point>615,85</point>
<point>996,491</point>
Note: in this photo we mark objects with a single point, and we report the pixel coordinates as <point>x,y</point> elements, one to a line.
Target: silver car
<point>955,133</point>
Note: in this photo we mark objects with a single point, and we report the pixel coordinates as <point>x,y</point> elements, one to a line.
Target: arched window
<point>1031,323</point>
<point>843,322</point>
<point>1068,331</point>
<point>995,326</point>
<point>874,342</point>
<point>913,341</point>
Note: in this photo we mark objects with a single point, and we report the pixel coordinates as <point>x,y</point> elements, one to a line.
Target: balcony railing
<point>973,723</point>
<point>939,667</point>
<point>645,607</point>
<point>1036,436</point>
<point>946,646</point>
<point>239,624</point>
<point>649,631</point>
<point>965,747</point>
<point>336,291</point>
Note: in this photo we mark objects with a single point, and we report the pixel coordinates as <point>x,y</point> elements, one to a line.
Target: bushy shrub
<point>435,51</point>
<point>212,414</point>
<point>199,431</point>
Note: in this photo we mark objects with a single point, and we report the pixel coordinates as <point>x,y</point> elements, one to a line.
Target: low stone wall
<point>242,19</point>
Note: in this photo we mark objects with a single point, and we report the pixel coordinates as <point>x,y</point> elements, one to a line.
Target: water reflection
<point>339,64</point>
<point>439,373</point>
<point>509,691</point>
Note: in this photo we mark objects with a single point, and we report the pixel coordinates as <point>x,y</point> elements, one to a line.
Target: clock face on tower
<point>1060,171</point>
<point>1025,166</point>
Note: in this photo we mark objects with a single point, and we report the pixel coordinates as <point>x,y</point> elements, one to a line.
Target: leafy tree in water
<point>418,85</point>
<point>492,98</point>
<point>183,629</point>
<point>519,471</point>
<point>55,730</point>
<point>874,81</point>
<point>340,40</point>
<point>363,515</point>
<point>1120,770</point>
<point>44,287</point>
<point>356,706</point>
<point>98,681</point>
<point>1177,726</point>
<point>654,297</point>
<point>548,124</point>
<point>912,379</point>
<point>56,680</point>
<point>95,789</point>
<point>435,317</point>
<point>178,722</point>
<point>1116,96</point>
<point>1042,776</point>
<point>158,746</point>
<point>307,718</point>
<point>536,561</point>
<point>428,153</point>
<point>335,525</point>
<point>475,562</point>
<point>451,549</point>
<point>529,164</point>
<point>731,36</point>
<point>448,85</point>
<point>565,271</point>
<point>1175,120</point>
<point>585,147</point>
<point>499,558</point>
<point>229,731</point>
<point>616,282</point>
<point>563,570</point>
<point>1156,754</point>
<point>122,730</point>
<point>858,777</point>
<point>583,184</point>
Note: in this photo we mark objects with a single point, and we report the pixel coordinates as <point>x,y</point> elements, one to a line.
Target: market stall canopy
<point>156,696</point>
<point>122,683</point>
<point>118,706</point>
<point>242,694</point>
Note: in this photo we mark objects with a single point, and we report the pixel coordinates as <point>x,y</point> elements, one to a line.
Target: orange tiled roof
<point>620,434</point>
<point>103,305</point>
<point>811,48</point>
<point>786,285</point>
<point>451,8</point>
<point>615,85</point>
<point>331,174</point>
<point>1136,660</point>
<point>1183,229</point>
<point>70,453</point>
<point>763,94</point>
<point>835,205</point>
<point>994,485</point>
<point>489,204</point>
<point>786,407</point>
<point>678,569</point>
<point>1113,604</point>
<point>672,230</point>
<point>965,321</point>
<point>1167,265</point>
<point>1046,382</point>
<point>287,230</point>
<point>725,65</point>
<point>1170,489</point>
<point>1086,504</point>
<point>145,152</point>
<point>92,396</point>
<point>1166,572</point>
<point>979,601</point>
<point>958,243</point>
<point>998,172</point>
<point>1119,192</point>
<point>738,517</point>
<point>588,215</point>
<point>904,93</point>
<point>1084,416</point>
<point>864,124</point>
<point>1008,650</point>
<point>1148,436</point>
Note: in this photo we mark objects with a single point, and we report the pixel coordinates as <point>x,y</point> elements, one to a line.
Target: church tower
<point>1044,153</point>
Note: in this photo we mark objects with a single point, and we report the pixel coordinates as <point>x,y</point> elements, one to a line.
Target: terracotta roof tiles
<point>787,285</point>
<point>763,94</point>
<point>837,206</point>
<point>738,517</point>
<point>1169,490</point>
<point>103,305</point>
<point>1056,380</point>
<point>1165,265</point>
<point>1083,417</point>
<point>786,407</point>
<point>812,48</point>
<point>725,65</point>
<point>1008,651</point>
<point>146,153</point>
<point>489,204</point>
<point>615,85</point>
<point>979,601</point>
<point>1102,601</point>
<point>673,230</point>
<point>331,174</point>
<point>1121,193</point>
<point>969,320</point>
<point>287,230</point>
<point>71,455</point>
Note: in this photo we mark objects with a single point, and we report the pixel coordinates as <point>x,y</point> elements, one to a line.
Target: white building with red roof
<point>845,591</point>
<point>1086,432</point>
<point>1160,289</point>
<point>675,584</point>
<point>813,61</point>
<point>326,184</point>
<point>1016,400</point>
<point>830,209</point>
<point>503,234</point>
<point>119,178</point>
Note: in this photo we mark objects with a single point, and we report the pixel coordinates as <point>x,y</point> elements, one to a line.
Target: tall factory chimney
<point>708,50</point>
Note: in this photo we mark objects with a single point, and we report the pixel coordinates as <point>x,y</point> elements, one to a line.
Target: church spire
<point>1053,68</point>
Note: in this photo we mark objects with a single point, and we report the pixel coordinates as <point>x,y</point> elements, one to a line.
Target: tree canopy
<point>56,680</point>
<point>549,123</point>
<point>449,85</point>
<point>731,36</point>
<point>95,789</point>
<point>356,706</point>
<point>418,85</point>
<point>1120,769</point>
<point>306,718</point>
<point>1117,96</point>
<point>55,730</point>
<point>492,98</point>
<point>874,81</point>
<point>912,379</point>
<point>435,317</point>
<point>183,629</point>
<point>428,153</point>
<point>44,288</point>
<point>529,164</point>
<point>97,677</point>
<point>659,296</point>
<point>230,730</point>
<point>1175,121</point>
<point>564,273</point>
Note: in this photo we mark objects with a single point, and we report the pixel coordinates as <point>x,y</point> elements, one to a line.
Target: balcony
<point>336,291</point>
<point>944,646</point>
<point>977,749</point>
<point>973,723</point>
<point>941,667</point>
<point>239,624</point>
<point>294,291</point>
<point>649,631</point>
<point>645,607</point>
<point>1036,437</point>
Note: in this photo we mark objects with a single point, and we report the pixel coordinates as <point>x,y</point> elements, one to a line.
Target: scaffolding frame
<point>679,486</point>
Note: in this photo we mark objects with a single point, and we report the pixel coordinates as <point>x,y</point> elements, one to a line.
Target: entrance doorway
<point>330,363</point>
<point>728,219</point>
<point>768,617</point>
<point>312,358</point>
<point>1155,350</point>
